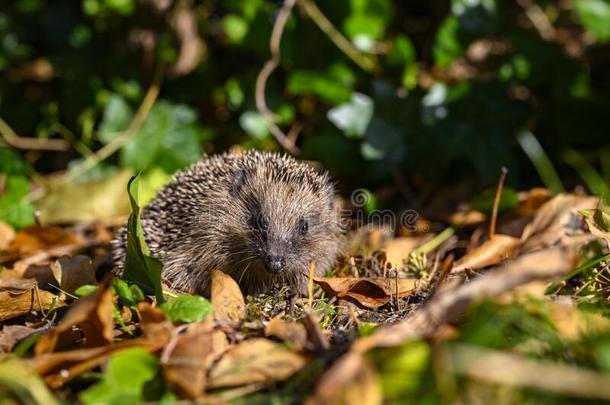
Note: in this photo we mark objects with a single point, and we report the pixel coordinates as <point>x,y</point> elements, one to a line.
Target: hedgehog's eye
<point>303,227</point>
<point>259,222</point>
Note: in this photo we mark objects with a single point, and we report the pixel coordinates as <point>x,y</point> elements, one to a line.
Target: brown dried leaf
<point>368,292</point>
<point>73,272</point>
<point>7,234</point>
<point>12,334</point>
<point>12,305</point>
<point>186,366</point>
<point>227,298</point>
<point>598,222</point>
<point>38,238</point>
<point>493,251</point>
<point>255,361</point>
<point>398,249</point>
<point>93,314</point>
<point>556,220</point>
<point>293,333</point>
<point>352,381</point>
<point>61,367</point>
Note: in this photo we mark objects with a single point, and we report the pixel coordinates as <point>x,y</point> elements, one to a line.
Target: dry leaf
<point>37,238</point>
<point>12,305</point>
<point>293,333</point>
<point>255,361</point>
<point>93,314</point>
<point>227,298</point>
<point>12,334</point>
<point>352,381</point>
<point>368,292</point>
<point>555,220</point>
<point>73,272</point>
<point>7,234</point>
<point>493,251</point>
<point>186,365</point>
<point>61,367</point>
<point>598,222</point>
<point>398,249</point>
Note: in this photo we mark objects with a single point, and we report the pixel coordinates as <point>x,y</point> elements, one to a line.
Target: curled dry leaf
<point>556,220</point>
<point>292,333</point>
<point>24,302</point>
<point>352,381</point>
<point>93,314</point>
<point>227,298</point>
<point>73,272</point>
<point>368,292</point>
<point>255,361</point>
<point>493,251</point>
<point>186,361</point>
<point>38,238</point>
<point>598,222</point>
<point>155,326</point>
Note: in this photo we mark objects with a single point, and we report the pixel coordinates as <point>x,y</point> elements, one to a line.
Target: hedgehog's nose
<point>275,264</point>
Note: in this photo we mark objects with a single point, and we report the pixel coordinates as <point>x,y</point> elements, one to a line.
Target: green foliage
<point>125,379</point>
<point>130,295</point>
<point>15,207</point>
<point>140,268</point>
<point>595,15</point>
<point>85,290</point>
<point>187,308</point>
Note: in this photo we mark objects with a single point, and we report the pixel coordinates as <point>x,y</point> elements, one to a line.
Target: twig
<point>16,141</point>
<point>498,197</point>
<point>130,132</point>
<point>261,81</point>
<point>538,19</point>
<point>364,61</point>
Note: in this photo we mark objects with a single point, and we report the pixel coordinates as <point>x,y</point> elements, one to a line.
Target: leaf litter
<point>378,316</point>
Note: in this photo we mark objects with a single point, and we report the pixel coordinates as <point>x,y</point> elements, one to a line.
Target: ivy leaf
<point>15,208</point>
<point>140,268</point>
<point>354,116</point>
<point>187,308</point>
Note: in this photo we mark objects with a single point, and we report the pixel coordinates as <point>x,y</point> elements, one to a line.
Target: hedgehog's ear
<point>239,179</point>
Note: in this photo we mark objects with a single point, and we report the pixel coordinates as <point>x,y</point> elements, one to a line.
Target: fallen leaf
<point>292,333</point>
<point>7,234</point>
<point>13,334</point>
<point>12,305</point>
<point>227,298</point>
<point>37,238</point>
<point>186,365</point>
<point>92,313</point>
<point>398,249</point>
<point>73,272</point>
<point>493,251</point>
<point>94,200</point>
<point>352,381</point>
<point>368,292</point>
<point>155,326</point>
<point>556,220</point>
<point>255,361</point>
<point>60,367</point>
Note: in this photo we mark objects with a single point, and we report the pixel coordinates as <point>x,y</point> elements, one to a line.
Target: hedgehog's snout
<point>275,264</point>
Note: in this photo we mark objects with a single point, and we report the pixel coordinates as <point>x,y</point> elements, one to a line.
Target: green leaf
<point>254,124</point>
<point>124,379</point>
<point>595,16</point>
<point>354,116</point>
<point>324,85</point>
<point>131,295</point>
<point>140,268</point>
<point>11,163</point>
<point>447,47</point>
<point>15,208</point>
<point>117,117</point>
<point>123,7</point>
<point>85,290</point>
<point>187,308</point>
<point>235,28</point>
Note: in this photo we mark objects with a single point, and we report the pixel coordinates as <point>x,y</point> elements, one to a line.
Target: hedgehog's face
<point>289,224</point>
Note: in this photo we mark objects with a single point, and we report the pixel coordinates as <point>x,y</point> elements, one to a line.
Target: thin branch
<point>12,139</point>
<point>364,61</point>
<point>134,127</point>
<point>263,76</point>
<point>496,206</point>
<point>538,19</point>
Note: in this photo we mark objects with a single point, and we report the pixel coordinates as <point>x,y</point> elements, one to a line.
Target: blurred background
<point>417,100</point>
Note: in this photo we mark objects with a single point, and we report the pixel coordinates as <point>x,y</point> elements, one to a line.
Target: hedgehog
<point>260,217</point>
